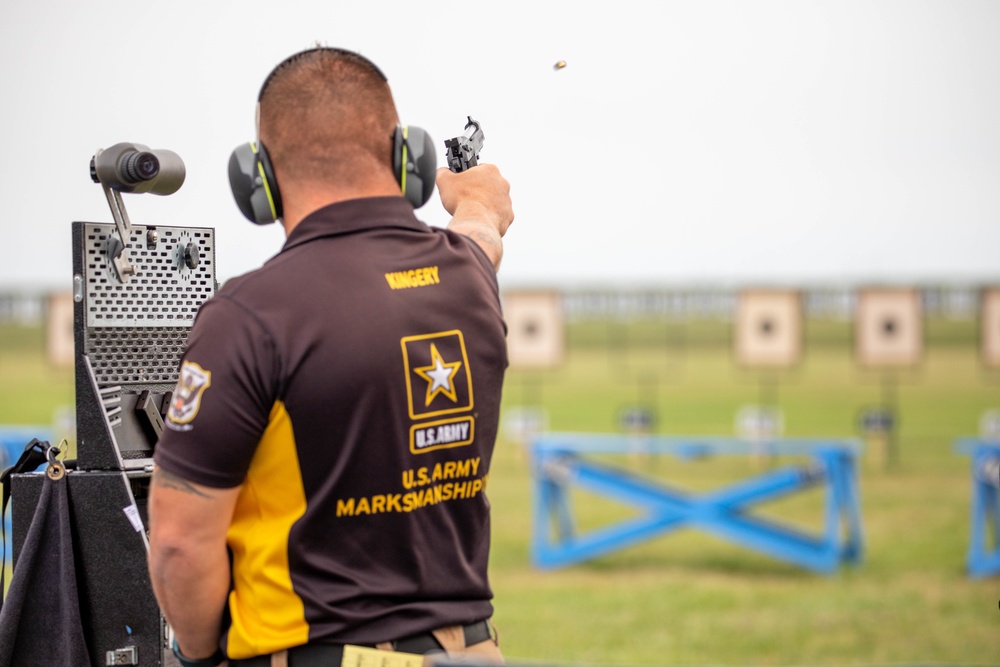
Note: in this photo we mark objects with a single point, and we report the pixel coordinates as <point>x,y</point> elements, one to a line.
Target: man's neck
<point>300,204</point>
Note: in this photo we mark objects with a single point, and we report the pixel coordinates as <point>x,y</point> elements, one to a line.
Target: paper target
<point>768,328</point>
<point>535,329</point>
<point>59,330</point>
<point>989,327</point>
<point>888,328</point>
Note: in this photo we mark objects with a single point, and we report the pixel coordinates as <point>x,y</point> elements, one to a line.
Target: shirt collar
<point>355,215</point>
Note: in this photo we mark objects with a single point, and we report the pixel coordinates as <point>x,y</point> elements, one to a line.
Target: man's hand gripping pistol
<point>463,152</point>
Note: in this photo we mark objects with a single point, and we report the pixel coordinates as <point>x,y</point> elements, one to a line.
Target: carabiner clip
<point>55,470</point>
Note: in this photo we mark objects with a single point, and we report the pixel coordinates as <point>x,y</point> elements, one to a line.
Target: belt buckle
<point>362,656</point>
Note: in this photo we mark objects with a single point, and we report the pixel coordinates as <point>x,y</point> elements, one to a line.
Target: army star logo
<point>439,376</point>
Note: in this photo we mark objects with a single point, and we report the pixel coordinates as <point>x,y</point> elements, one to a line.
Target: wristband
<point>211,661</point>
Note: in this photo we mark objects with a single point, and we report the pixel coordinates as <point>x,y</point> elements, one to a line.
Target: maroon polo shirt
<point>352,386</point>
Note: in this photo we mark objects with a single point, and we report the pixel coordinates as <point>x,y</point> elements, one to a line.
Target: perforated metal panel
<point>136,331</point>
<point>121,355</point>
<point>164,292</point>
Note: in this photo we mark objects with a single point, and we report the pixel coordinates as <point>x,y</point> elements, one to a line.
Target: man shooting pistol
<point>282,533</point>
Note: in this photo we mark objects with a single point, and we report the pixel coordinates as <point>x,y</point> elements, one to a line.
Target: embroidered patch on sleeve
<point>191,385</point>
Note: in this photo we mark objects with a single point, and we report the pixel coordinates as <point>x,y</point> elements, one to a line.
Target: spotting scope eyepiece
<point>138,167</point>
<point>128,167</point>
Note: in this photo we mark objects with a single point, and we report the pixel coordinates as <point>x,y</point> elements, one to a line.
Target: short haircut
<point>327,115</point>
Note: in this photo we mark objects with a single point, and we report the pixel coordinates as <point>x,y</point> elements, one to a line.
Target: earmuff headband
<point>252,179</point>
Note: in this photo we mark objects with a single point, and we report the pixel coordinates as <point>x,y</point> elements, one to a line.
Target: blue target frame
<point>562,461</point>
<point>983,558</point>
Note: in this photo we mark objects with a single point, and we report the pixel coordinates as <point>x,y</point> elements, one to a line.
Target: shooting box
<point>888,328</point>
<point>126,337</point>
<point>769,330</point>
<point>536,335</point>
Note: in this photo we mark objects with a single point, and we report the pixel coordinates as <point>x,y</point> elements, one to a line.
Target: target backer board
<point>769,329</point>
<point>536,335</point>
<point>989,327</point>
<point>888,328</point>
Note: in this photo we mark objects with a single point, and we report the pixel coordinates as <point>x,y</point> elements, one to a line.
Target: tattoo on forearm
<point>487,240</point>
<point>168,480</point>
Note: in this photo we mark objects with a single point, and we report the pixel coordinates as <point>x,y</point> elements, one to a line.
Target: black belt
<point>331,655</point>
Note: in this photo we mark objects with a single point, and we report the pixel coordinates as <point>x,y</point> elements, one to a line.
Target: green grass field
<point>690,599</point>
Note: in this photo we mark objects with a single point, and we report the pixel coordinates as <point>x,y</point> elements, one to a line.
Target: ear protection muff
<point>255,187</point>
<point>414,162</point>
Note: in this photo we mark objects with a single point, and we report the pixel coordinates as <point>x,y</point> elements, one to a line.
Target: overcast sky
<point>685,143</point>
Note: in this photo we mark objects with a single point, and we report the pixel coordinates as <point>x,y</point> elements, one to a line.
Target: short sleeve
<point>480,255</point>
<point>226,389</point>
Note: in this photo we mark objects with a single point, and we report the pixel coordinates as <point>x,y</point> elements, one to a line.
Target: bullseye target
<point>888,328</point>
<point>535,329</point>
<point>768,328</point>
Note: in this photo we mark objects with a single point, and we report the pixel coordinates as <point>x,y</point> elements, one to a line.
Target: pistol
<point>463,152</point>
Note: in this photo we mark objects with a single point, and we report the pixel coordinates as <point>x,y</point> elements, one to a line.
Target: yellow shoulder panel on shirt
<point>272,499</point>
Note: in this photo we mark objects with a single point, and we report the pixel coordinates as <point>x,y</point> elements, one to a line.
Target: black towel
<point>40,622</point>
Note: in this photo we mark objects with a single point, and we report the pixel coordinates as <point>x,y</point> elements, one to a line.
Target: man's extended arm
<point>478,200</point>
<point>188,560</point>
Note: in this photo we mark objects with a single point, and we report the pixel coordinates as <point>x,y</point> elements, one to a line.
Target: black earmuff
<point>255,187</point>
<point>253,184</point>
<point>414,162</point>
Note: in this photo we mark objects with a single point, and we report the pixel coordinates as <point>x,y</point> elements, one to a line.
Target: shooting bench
<point>562,461</point>
<point>983,561</point>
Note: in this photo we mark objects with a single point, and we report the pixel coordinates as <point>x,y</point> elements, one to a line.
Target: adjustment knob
<point>190,256</point>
